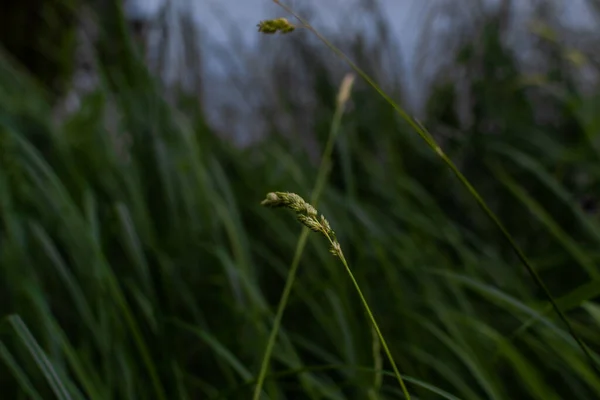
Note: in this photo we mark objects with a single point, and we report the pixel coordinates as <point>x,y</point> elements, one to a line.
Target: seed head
<point>336,249</point>
<point>306,214</point>
<point>310,223</point>
<point>272,26</point>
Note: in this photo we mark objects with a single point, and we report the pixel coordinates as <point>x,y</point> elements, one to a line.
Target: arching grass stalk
<point>308,216</point>
<point>284,26</point>
<point>342,99</point>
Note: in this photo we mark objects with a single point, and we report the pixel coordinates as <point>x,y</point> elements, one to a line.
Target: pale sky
<point>406,18</point>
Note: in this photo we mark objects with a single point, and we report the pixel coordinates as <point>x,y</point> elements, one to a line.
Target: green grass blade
<point>561,236</point>
<point>52,376</point>
<point>219,349</point>
<point>18,373</point>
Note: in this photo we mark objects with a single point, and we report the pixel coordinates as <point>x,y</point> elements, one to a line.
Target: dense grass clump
<point>137,262</point>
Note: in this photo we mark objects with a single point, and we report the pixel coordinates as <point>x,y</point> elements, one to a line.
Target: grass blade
<point>42,361</point>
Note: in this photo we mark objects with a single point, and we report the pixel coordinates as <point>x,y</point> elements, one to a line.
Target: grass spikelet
<point>306,214</point>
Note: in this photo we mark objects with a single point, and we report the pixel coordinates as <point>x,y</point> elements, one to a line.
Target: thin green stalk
<point>377,367</point>
<point>309,217</point>
<point>428,138</point>
<point>372,318</point>
<point>322,174</point>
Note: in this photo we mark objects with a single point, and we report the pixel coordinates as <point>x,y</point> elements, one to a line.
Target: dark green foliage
<point>41,35</point>
<point>152,268</point>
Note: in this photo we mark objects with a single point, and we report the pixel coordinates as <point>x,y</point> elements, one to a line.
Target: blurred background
<point>138,137</point>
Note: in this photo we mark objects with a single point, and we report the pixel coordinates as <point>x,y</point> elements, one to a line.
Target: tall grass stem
<point>428,138</point>
<point>322,174</point>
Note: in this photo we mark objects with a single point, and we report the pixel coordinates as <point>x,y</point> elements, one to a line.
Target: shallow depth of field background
<point>135,147</point>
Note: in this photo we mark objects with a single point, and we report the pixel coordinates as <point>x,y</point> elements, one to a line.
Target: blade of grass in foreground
<point>428,138</point>
<point>40,357</point>
<point>45,177</point>
<point>18,373</point>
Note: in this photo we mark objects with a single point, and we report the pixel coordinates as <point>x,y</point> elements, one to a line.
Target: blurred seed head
<point>272,26</point>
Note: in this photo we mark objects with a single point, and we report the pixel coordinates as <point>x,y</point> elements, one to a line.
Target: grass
<point>153,271</point>
<point>307,215</point>
<point>283,26</point>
